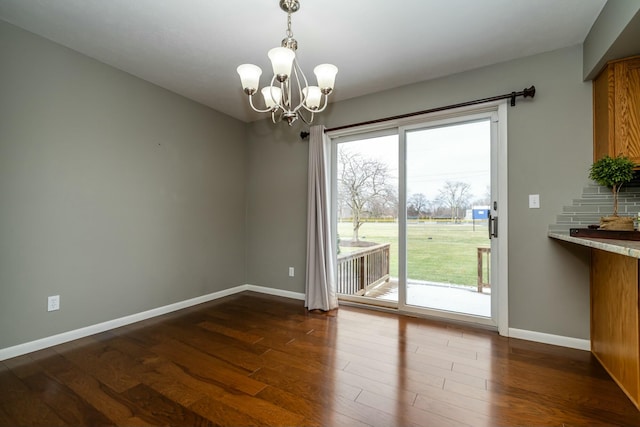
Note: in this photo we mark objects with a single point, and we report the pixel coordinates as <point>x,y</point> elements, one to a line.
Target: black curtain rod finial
<point>304,135</point>
<point>526,92</point>
<point>531,92</point>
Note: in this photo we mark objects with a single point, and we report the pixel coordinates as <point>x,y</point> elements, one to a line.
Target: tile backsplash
<point>596,201</point>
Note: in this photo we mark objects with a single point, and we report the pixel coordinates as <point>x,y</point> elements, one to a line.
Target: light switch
<point>534,201</point>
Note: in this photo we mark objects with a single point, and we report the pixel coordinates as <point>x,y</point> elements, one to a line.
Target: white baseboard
<point>20,349</point>
<point>277,292</point>
<point>559,340</point>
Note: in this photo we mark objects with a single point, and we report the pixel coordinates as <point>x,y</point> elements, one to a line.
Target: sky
<point>459,152</point>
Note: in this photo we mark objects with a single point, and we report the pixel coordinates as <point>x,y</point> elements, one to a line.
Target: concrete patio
<point>440,296</point>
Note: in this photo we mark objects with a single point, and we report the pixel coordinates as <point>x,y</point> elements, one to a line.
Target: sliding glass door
<point>416,214</point>
<point>447,184</point>
<point>366,218</point>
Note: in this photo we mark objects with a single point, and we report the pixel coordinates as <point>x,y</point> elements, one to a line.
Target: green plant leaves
<point>612,171</point>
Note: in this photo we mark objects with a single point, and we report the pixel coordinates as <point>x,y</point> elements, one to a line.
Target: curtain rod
<point>526,93</point>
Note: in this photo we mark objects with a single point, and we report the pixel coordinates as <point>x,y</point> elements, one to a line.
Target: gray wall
<point>550,146</point>
<point>115,194</point>
<point>276,206</point>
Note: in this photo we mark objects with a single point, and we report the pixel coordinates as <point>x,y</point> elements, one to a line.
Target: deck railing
<point>363,269</point>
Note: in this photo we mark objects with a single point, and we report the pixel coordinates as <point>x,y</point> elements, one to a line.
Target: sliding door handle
<point>493,226</point>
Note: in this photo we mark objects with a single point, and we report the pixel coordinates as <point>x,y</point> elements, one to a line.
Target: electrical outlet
<point>291,272</point>
<point>53,303</point>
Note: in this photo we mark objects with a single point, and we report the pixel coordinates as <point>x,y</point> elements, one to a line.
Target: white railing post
<point>362,269</point>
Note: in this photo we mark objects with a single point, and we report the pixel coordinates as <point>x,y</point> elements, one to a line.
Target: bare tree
<point>485,200</point>
<point>455,195</point>
<point>434,207</point>
<point>384,206</point>
<point>364,185</point>
<point>417,204</point>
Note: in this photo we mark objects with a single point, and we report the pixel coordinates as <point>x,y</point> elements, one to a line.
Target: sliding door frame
<point>497,110</point>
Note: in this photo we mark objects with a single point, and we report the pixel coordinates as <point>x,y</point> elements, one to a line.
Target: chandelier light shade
<point>250,76</point>
<point>281,60</point>
<point>326,75</point>
<point>289,95</point>
<point>272,96</point>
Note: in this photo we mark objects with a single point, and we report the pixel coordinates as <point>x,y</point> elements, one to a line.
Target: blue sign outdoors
<point>480,214</point>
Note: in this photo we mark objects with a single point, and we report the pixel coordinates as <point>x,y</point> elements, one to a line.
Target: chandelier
<point>289,95</point>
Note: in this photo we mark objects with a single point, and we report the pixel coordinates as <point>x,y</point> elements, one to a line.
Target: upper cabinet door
<point>627,108</point>
<point>616,110</point>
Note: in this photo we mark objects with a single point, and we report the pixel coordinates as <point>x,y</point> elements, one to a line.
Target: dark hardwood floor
<point>252,359</point>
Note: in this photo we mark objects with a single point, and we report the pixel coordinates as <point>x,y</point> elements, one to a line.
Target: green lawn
<point>445,253</point>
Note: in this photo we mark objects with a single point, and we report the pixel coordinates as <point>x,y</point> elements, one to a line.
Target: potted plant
<point>613,172</point>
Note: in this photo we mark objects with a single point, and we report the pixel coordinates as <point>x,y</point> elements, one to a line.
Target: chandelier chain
<point>289,32</point>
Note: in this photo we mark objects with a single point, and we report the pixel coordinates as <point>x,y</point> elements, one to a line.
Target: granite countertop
<point>629,248</point>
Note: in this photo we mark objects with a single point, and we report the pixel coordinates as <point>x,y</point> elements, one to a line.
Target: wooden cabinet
<point>616,110</point>
<point>615,326</point>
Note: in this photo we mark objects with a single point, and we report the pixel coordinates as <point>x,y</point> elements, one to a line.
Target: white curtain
<point>320,284</point>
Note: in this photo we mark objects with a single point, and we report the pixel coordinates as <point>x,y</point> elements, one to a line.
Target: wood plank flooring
<point>257,360</point>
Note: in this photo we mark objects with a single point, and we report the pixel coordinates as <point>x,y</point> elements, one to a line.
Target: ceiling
<point>192,47</point>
